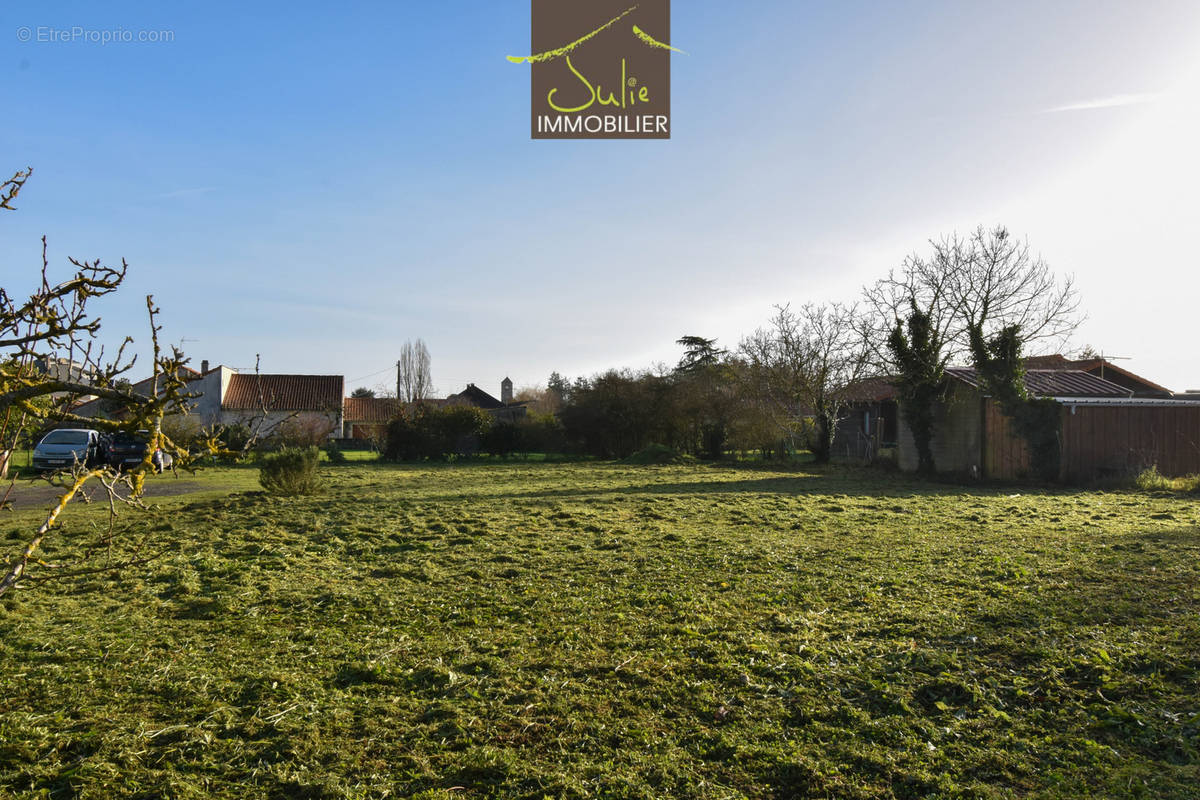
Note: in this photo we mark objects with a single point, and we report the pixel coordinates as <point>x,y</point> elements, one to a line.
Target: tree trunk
<point>925,465</point>
<point>918,415</point>
<point>823,440</point>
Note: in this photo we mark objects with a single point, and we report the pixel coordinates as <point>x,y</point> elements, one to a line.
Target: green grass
<point>599,630</point>
<point>1152,480</point>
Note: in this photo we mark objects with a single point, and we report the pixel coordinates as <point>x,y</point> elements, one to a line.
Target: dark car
<point>126,449</point>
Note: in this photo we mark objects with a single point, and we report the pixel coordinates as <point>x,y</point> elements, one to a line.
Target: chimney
<point>204,366</point>
<point>506,391</point>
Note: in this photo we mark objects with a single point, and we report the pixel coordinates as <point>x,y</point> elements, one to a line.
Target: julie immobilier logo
<point>600,69</point>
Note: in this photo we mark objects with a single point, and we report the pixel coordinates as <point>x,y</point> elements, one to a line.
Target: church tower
<point>506,391</point>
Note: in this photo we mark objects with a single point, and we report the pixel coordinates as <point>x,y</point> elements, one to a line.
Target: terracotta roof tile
<point>284,392</point>
<point>370,409</point>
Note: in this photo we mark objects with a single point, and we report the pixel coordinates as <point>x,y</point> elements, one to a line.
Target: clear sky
<point>318,182</point>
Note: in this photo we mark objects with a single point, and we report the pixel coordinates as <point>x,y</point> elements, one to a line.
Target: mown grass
<point>596,630</point>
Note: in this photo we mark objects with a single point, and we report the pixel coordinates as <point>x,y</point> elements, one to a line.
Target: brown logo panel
<point>601,69</point>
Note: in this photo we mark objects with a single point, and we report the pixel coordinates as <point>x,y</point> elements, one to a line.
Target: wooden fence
<point>1101,441</point>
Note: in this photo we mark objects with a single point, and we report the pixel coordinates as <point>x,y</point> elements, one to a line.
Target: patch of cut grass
<point>607,630</point>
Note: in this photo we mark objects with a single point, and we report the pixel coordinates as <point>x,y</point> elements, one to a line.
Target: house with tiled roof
<point>224,396</point>
<point>268,400</point>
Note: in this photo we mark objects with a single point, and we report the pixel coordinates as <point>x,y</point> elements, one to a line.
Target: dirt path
<point>26,495</point>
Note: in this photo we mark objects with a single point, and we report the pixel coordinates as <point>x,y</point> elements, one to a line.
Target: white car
<point>66,447</point>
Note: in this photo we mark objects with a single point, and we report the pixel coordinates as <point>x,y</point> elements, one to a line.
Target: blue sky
<point>319,183</point>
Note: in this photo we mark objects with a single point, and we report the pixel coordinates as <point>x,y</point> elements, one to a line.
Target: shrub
<point>459,429</point>
<point>542,433</point>
<point>1151,480</point>
<point>502,439</point>
<point>186,432</point>
<point>305,430</point>
<point>334,453</point>
<point>658,454</point>
<point>234,437</point>
<point>426,432</point>
<point>535,433</point>
<point>291,471</point>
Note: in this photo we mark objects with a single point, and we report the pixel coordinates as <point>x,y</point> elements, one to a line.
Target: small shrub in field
<point>335,454</point>
<point>658,454</point>
<point>291,471</point>
<point>1149,480</point>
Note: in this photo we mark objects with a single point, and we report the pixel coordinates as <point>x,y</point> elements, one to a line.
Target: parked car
<point>126,449</point>
<point>67,447</point>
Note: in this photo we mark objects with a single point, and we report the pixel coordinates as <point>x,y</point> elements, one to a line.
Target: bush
<point>291,471</point>
<point>1151,480</point>
<point>427,432</point>
<point>658,454</point>
<point>502,439</point>
<point>535,433</point>
<point>234,437</point>
<point>305,430</point>
<point>185,432</point>
<point>334,453</point>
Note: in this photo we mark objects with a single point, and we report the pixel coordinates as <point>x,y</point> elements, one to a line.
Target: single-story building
<point>366,418</point>
<point>309,405</point>
<point>1105,429</point>
<point>869,428</point>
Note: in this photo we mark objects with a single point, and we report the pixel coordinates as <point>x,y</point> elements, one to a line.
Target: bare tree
<point>1003,285</point>
<point>54,326</point>
<point>923,316</point>
<point>990,281</point>
<point>414,381</point>
<point>802,365</point>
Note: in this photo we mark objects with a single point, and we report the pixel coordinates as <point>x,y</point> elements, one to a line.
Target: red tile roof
<point>370,409</point>
<point>284,392</point>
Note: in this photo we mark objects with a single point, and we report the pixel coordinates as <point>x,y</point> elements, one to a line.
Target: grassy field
<point>599,630</point>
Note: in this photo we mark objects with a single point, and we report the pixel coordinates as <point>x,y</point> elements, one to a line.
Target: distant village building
<point>224,396</point>
<point>367,417</point>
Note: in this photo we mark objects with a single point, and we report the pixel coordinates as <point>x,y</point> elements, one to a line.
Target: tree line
<point>982,300</point>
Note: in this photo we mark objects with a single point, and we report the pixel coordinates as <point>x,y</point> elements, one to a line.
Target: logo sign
<point>600,69</point>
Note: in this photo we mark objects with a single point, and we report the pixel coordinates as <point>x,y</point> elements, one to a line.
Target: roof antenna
<point>1104,358</point>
